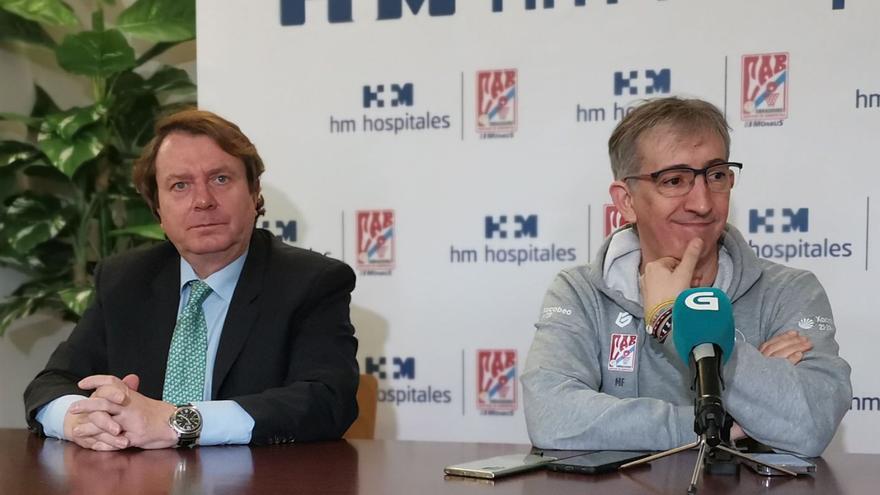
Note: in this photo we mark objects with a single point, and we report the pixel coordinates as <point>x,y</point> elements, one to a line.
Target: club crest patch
<point>623,352</point>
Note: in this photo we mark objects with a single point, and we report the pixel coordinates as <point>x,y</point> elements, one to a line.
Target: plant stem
<point>99,89</point>
<point>81,244</point>
<point>98,19</point>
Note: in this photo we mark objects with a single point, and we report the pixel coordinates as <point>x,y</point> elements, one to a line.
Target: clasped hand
<point>117,416</point>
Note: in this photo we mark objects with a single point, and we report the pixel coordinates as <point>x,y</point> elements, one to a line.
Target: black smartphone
<point>602,461</point>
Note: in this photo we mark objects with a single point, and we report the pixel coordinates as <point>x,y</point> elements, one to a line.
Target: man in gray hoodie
<point>597,377</point>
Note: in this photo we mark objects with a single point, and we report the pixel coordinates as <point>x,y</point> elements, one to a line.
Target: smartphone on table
<point>602,461</point>
<point>787,461</point>
<point>496,467</point>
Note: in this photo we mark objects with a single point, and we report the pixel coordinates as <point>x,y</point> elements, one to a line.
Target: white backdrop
<point>457,222</point>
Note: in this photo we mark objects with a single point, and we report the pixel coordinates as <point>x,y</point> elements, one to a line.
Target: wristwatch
<point>187,422</point>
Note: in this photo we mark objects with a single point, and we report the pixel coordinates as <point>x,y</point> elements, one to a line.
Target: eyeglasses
<point>678,180</point>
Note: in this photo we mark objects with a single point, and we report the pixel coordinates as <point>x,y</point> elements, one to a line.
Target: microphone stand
<point>712,425</point>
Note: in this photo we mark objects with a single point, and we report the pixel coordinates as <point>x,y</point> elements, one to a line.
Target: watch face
<point>187,420</point>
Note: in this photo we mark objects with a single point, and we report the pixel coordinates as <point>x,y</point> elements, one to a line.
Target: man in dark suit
<point>223,334</point>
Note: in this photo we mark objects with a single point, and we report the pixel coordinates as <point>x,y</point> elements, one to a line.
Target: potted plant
<point>66,197</point>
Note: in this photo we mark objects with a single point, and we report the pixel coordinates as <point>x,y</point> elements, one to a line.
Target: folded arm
<point>794,407</point>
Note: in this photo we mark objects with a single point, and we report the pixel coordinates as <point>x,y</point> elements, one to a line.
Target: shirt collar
<point>222,282</point>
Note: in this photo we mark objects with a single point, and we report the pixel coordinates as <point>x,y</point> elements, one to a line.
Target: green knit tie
<point>185,374</point>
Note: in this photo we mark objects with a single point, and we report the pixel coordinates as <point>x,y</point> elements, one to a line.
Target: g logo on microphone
<point>702,301</point>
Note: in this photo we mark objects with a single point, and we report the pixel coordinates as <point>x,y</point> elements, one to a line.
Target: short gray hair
<point>682,115</point>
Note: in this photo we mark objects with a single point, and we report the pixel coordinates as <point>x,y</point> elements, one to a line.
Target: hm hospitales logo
<point>788,233</point>
<point>628,85</point>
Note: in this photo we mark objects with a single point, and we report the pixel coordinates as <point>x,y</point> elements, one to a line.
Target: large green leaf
<point>17,152</point>
<point>15,308</point>
<point>151,231</point>
<point>159,20</point>
<point>73,137</point>
<point>97,54</point>
<point>30,221</point>
<point>17,28</point>
<point>133,109</point>
<point>8,257</point>
<point>51,12</point>
<point>31,208</point>
<point>10,183</point>
<point>15,156</point>
<point>67,124</point>
<point>42,292</point>
<point>69,154</point>
<point>170,79</point>
<point>77,299</point>
<point>41,287</point>
<point>29,236</point>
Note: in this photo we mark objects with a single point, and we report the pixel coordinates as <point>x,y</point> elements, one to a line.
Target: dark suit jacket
<point>286,354</point>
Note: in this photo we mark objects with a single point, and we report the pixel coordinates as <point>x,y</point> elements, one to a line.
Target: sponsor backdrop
<point>454,153</point>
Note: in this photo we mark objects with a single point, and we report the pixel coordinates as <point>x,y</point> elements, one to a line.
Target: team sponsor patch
<point>806,323</point>
<point>623,319</point>
<point>623,352</point>
<point>822,323</point>
<point>552,310</point>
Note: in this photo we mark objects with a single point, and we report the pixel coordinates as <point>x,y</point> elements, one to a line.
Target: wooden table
<point>31,465</point>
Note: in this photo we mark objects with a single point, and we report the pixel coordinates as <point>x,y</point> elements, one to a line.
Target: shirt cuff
<point>51,416</point>
<point>224,422</point>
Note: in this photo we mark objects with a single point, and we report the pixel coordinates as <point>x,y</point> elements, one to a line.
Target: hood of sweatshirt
<point>615,270</point>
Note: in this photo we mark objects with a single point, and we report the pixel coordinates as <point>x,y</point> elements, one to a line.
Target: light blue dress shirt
<point>223,421</point>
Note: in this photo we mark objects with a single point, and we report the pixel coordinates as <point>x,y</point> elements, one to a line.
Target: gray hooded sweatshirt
<point>595,380</point>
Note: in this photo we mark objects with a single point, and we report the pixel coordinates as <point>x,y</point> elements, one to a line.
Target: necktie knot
<point>198,292</point>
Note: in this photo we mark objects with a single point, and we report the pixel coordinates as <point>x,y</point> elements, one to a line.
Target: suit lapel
<point>243,310</point>
<point>157,331</point>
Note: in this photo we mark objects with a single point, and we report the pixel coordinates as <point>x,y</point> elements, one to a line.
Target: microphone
<point>703,333</point>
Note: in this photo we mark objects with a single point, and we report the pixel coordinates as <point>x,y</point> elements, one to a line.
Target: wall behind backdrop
<point>455,154</point>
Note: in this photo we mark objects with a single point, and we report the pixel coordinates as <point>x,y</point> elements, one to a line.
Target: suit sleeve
<point>83,354</point>
<point>318,397</point>
<point>792,407</point>
<point>564,407</point>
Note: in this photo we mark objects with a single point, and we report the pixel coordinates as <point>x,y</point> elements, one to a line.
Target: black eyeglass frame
<point>653,176</point>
